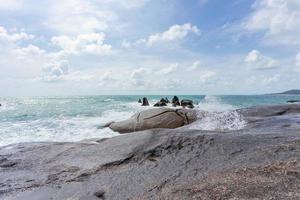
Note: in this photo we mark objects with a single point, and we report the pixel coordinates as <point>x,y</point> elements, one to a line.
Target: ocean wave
<point>214,115</point>
<point>6,106</point>
<point>59,129</point>
<point>212,103</point>
<point>108,100</point>
<point>219,121</point>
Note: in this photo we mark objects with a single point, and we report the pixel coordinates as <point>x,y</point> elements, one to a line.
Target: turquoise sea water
<point>75,118</point>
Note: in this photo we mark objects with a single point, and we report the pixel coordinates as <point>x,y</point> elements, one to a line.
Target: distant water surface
<point>28,119</point>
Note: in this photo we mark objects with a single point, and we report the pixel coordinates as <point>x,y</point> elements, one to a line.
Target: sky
<point>95,47</point>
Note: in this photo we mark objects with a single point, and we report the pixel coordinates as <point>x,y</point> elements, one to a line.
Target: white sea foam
<point>214,104</point>
<point>6,106</point>
<point>221,121</point>
<point>215,115</point>
<point>60,129</point>
<point>109,100</point>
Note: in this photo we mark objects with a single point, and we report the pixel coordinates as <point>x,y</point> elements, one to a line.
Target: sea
<point>76,118</point>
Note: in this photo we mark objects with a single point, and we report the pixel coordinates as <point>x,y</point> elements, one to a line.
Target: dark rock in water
<point>145,102</point>
<point>155,118</point>
<point>167,100</point>
<point>187,103</point>
<point>0,105</point>
<point>140,101</point>
<point>293,101</point>
<point>160,104</point>
<point>162,100</point>
<point>175,101</point>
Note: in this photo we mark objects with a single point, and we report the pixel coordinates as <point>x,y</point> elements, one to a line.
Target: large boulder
<point>187,103</point>
<point>155,118</point>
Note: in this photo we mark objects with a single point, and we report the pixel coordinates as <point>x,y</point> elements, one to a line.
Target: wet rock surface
<point>261,161</point>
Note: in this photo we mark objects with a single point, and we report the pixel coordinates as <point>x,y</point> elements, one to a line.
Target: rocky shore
<point>260,161</point>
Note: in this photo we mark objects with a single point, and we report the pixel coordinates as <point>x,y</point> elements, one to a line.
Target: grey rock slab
<point>162,164</point>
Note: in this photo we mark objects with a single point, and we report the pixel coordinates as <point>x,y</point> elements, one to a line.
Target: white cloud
<point>15,36</point>
<point>105,78</point>
<point>137,77</point>
<point>175,32</point>
<point>168,83</point>
<point>298,62</point>
<point>92,43</point>
<point>262,80</point>
<point>55,71</point>
<point>205,75</point>
<point>127,3</point>
<point>77,16</point>
<point>126,44</point>
<point>85,16</point>
<point>271,79</point>
<point>10,4</point>
<point>167,70</point>
<point>260,62</point>
<point>58,69</point>
<point>298,59</point>
<point>24,60</point>
<point>18,56</point>
<point>30,50</point>
<point>3,30</point>
<point>278,19</point>
<point>194,66</point>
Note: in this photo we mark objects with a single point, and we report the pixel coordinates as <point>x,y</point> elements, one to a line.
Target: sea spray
<point>213,115</point>
<point>58,129</point>
<point>220,121</point>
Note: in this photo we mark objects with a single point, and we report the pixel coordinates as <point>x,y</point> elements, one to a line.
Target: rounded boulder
<point>155,118</point>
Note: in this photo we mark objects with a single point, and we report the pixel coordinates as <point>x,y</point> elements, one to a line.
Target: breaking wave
<point>59,129</point>
<point>215,115</point>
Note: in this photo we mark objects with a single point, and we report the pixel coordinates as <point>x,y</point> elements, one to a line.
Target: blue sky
<point>79,47</point>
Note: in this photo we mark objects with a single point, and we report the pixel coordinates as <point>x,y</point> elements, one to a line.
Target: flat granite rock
<point>155,118</point>
<point>261,161</point>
